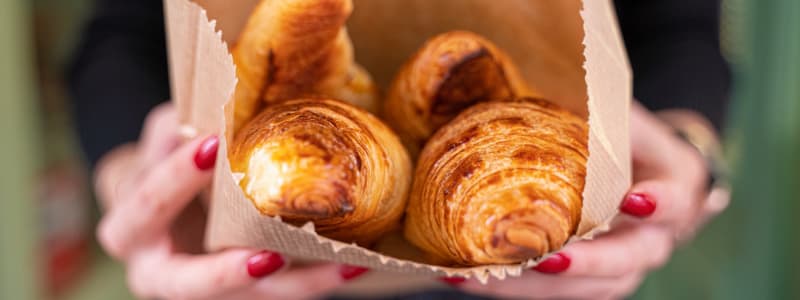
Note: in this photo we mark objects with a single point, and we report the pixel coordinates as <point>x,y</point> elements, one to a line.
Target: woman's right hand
<point>154,227</point>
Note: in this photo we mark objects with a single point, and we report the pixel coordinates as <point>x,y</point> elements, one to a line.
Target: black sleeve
<point>119,73</point>
<point>675,54</point>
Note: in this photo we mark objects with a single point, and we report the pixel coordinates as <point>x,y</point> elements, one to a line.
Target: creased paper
<point>570,50</point>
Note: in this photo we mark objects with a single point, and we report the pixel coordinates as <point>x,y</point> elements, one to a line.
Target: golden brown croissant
<point>501,183</point>
<point>324,161</point>
<point>449,73</point>
<point>290,49</point>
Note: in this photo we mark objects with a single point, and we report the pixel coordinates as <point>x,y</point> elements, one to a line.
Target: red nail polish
<point>556,263</point>
<point>639,205</point>
<point>206,154</point>
<point>349,272</point>
<point>453,281</point>
<point>264,263</point>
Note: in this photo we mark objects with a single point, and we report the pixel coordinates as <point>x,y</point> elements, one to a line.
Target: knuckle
<point>137,284</point>
<point>658,263</point>
<point>662,257</point>
<point>149,198</point>
<point>219,280</point>
<point>655,244</point>
<point>628,286</point>
<point>697,170</point>
<point>109,240</point>
<point>717,201</point>
<point>160,114</point>
<point>220,276</point>
<point>161,289</point>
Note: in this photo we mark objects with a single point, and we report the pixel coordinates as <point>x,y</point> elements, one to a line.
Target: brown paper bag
<point>571,50</point>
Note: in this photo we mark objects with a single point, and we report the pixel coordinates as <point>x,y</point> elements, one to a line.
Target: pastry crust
<point>324,161</point>
<point>449,73</point>
<point>291,49</point>
<point>501,183</point>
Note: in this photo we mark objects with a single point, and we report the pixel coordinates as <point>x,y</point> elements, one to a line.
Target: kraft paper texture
<point>571,50</point>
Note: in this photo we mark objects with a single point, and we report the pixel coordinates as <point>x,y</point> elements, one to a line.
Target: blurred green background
<point>751,251</point>
<point>747,253</point>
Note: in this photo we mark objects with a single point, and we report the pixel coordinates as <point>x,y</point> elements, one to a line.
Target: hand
<point>668,175</point>
<point>155,228</point>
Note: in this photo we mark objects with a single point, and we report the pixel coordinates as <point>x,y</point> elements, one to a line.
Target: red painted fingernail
<point>206,154</point>
<point>264,263</point>
<point>349,272</point>
<point>554,264</point>
<point>453,281</point>
<point>639,205</point>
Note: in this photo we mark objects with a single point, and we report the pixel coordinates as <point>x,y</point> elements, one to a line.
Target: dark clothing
<point>674,50</point>
<point>120,71</point>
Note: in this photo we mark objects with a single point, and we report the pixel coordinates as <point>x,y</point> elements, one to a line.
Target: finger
<point>158,274</point>
<point>649,150</point>
<point>674,204</point>
<point>717,201</point>
<point>113,174</point>
<point>304,283</point>
<point>658,153</point>
<point>627,286</point>
<point>538,286</point>
<point>163,193</point>
<point>159,134</point>
<point>121,168</point>
<point>622,252</point>
<point>669,175</point>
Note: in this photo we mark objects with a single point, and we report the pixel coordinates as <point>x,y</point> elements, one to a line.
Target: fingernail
<point>556,263</point>
<point>637,204</point>
<point>206,154</point>
<point>349,272</point>
<point>453,281</point>
<point>264,263</point>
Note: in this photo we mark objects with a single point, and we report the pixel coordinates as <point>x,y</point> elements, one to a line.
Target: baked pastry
<point>501,183</point>
<point>449,73</point>
<point>290,49</point>
<point>324,161</point>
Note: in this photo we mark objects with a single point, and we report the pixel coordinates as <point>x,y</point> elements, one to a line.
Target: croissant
<point>449,73</point>
<point>501,183</point>
<point>290,49</point>
<point>327,162</point>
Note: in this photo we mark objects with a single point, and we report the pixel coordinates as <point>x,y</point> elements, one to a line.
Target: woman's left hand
<point>668,202</point>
